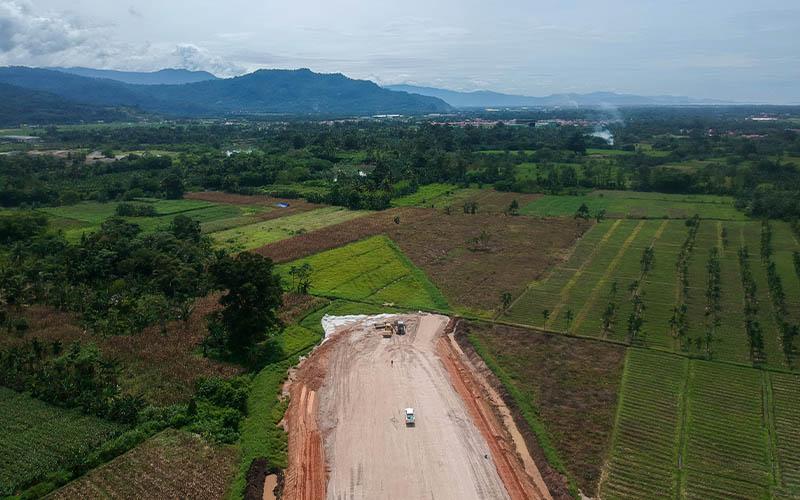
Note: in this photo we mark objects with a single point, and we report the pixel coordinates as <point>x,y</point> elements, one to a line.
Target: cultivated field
<point>471,272</point>
<point>372,270</point>
<point>259,234</point>
<point>609,281</point>
<point>172,464</point>
<point>87,217</point>
<point>630,204</point>
<point>37,439</point>
<point>566,388</point>
<point>702,430</point>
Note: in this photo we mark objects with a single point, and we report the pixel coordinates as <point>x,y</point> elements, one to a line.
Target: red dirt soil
<point>518,483</point>
<point>307,473</point>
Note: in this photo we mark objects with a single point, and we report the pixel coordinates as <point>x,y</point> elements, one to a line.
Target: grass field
<point>372,270</point>
<point>82,218</point>
<point>37,438</point>
<point>172,464</point>
<point>631,204</point>
<point>262,233</point>
<point>575,296</point>
<point>427,195</point>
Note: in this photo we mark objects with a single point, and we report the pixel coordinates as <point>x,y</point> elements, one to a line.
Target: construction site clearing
<point>389,406</point>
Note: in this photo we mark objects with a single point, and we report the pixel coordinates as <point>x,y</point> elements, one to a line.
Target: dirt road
<point>347,434</point>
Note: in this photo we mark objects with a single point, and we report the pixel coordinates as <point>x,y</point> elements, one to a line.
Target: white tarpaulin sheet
<point>331,323</point>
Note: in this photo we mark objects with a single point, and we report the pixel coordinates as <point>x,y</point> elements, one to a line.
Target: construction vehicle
<point>385,329</point>
<point>400,327</point>
<point>409,416</point>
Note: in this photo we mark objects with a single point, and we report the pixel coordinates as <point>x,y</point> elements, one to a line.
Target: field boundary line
<point>683,417</point>
<point>573,280</point>
<point>623,380</point>
<point>768,404</point>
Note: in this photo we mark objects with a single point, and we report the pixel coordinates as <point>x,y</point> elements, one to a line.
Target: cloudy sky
<point>729,49</point>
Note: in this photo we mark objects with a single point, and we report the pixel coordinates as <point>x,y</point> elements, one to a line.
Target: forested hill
<point>263,92</point>
<point>19,105</point>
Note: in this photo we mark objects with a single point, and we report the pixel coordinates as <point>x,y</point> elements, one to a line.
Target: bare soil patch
<point>297,205</point>
<point>572,384</point>
<point>473,259</point>
<point>172,464</point>
<point>345,417</point>
<point>497,202</point>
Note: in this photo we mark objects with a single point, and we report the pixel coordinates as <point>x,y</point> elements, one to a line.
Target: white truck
<point>409,416</point>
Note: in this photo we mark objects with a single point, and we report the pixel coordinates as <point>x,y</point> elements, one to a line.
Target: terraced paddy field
<point>374,271</point>
<point>37,438</point>
<point>256,235</point>
<point>597,291</point>
<point>631,204</point>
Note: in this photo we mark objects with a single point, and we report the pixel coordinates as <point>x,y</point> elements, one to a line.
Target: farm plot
<point>372,270</point>
<point>644,449</point>
<point>87,217</point>
<point>262,233</point>
<point>430,195</point>
<point>172,464</point>
<point>631,204</point>
<point>553,302</point>
<point>786,414</point>
<point>750,235</point>
<point>725,454</point>
<point>544,295</point>
<point>689,299</point>
<point>37,438</point>
<point>566,386</point>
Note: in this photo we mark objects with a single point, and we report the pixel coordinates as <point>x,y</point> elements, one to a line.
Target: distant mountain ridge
<point>489,99</point>
<point>262,92</point>
<point>168,76</point>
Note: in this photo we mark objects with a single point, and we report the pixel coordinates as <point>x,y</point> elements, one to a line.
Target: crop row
<point>700,295</point>
<point>37,439</point>
<point>724,431</point>
<point>703,430</point>
<point>644,449</point>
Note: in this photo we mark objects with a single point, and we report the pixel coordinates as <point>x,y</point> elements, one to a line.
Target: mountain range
<point>168,76</point>
<point>298,92</point>
<point>489,99</point>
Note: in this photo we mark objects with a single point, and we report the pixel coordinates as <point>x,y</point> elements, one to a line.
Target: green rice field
<point>374,271</point>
